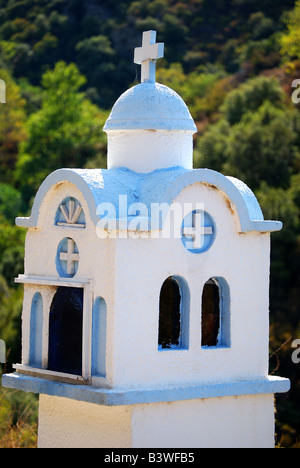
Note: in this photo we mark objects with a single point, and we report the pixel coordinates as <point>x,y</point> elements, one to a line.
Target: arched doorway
<point>216,314</point>
<point>65,331</point>
<point>174,303</point>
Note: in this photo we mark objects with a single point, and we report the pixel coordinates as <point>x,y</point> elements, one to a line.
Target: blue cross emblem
<point>198,232</point>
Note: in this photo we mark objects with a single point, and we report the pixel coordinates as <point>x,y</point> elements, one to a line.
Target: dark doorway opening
<point>211,314</point>
<point>65,331</point>
<point>169,314</point>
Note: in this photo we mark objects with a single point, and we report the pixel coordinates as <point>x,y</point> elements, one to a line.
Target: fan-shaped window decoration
<point>70,214</point>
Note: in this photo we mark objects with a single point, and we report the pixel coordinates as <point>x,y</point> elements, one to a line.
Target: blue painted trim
<point>162,186</point>
<point>99,338</point>
<point>209,239</point>
<point>119,396</point>
<point>61,266</point>
<point>36,331</point>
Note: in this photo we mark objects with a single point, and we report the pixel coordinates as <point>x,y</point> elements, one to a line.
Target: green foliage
<point>256,138</point>
<point>278,203</point>
<point>12,127</point>
<point>99,36</point>
<point>65,132</point>
<point>196,88</point>
<point>12,242</point>
<point>11,202</point>
<point>95,59</point>
<point>11,252</point>
<point>18,419</point>
<point>250,97</point>
<point>291,39</point>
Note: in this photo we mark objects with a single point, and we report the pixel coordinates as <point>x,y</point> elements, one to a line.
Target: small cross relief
<point>71,214</point>
<point>198,232</point>
<point>67,258</point>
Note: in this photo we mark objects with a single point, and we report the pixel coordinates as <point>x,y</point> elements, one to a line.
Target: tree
<point>11,265</point>
<point>10,202</point>
<point>95,58</point>
<point>250,97</point>
<point>291,39</point>
<point>65,132</point>
<point>12,127</point>
<point>199,89</point>
<point>256,138</point>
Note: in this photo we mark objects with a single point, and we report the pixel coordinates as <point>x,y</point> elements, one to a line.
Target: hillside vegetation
<point>65,62</point>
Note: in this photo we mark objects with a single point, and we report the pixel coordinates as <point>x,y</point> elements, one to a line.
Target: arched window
<point>65,331</point>
<point>99,338</point>
<point>215,314</point>
<point>36,331</point>
<point>173,314</point>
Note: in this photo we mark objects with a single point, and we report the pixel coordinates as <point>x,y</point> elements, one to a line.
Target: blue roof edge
<point>161,186</point>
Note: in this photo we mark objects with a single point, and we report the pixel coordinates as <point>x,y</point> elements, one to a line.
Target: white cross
<point>198,230</point>
<point>70,257</point>
<point>147,55</point>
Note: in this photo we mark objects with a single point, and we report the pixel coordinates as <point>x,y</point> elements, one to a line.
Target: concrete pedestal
<point>227,422</point>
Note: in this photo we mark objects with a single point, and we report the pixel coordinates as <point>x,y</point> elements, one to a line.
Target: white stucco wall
<point>142,267</point>
<point>128,274</point>
<point>149,149</point>
<point>231,422</point>
<point>65,423</point>
<point>97,263</point>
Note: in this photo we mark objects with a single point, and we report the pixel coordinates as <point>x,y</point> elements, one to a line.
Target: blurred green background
<point>65,62</point>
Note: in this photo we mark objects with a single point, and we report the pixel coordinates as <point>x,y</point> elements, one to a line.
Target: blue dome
<point>150,106</point>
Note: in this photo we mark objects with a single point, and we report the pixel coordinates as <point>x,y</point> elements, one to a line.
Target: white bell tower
<point>150,126</point>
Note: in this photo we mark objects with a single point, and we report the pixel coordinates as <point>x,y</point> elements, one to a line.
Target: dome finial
<point>147,56</point>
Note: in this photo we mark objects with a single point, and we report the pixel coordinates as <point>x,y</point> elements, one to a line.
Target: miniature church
<point>146,292</point>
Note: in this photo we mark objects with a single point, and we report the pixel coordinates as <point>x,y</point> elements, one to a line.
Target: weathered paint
<point>161,186</point>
